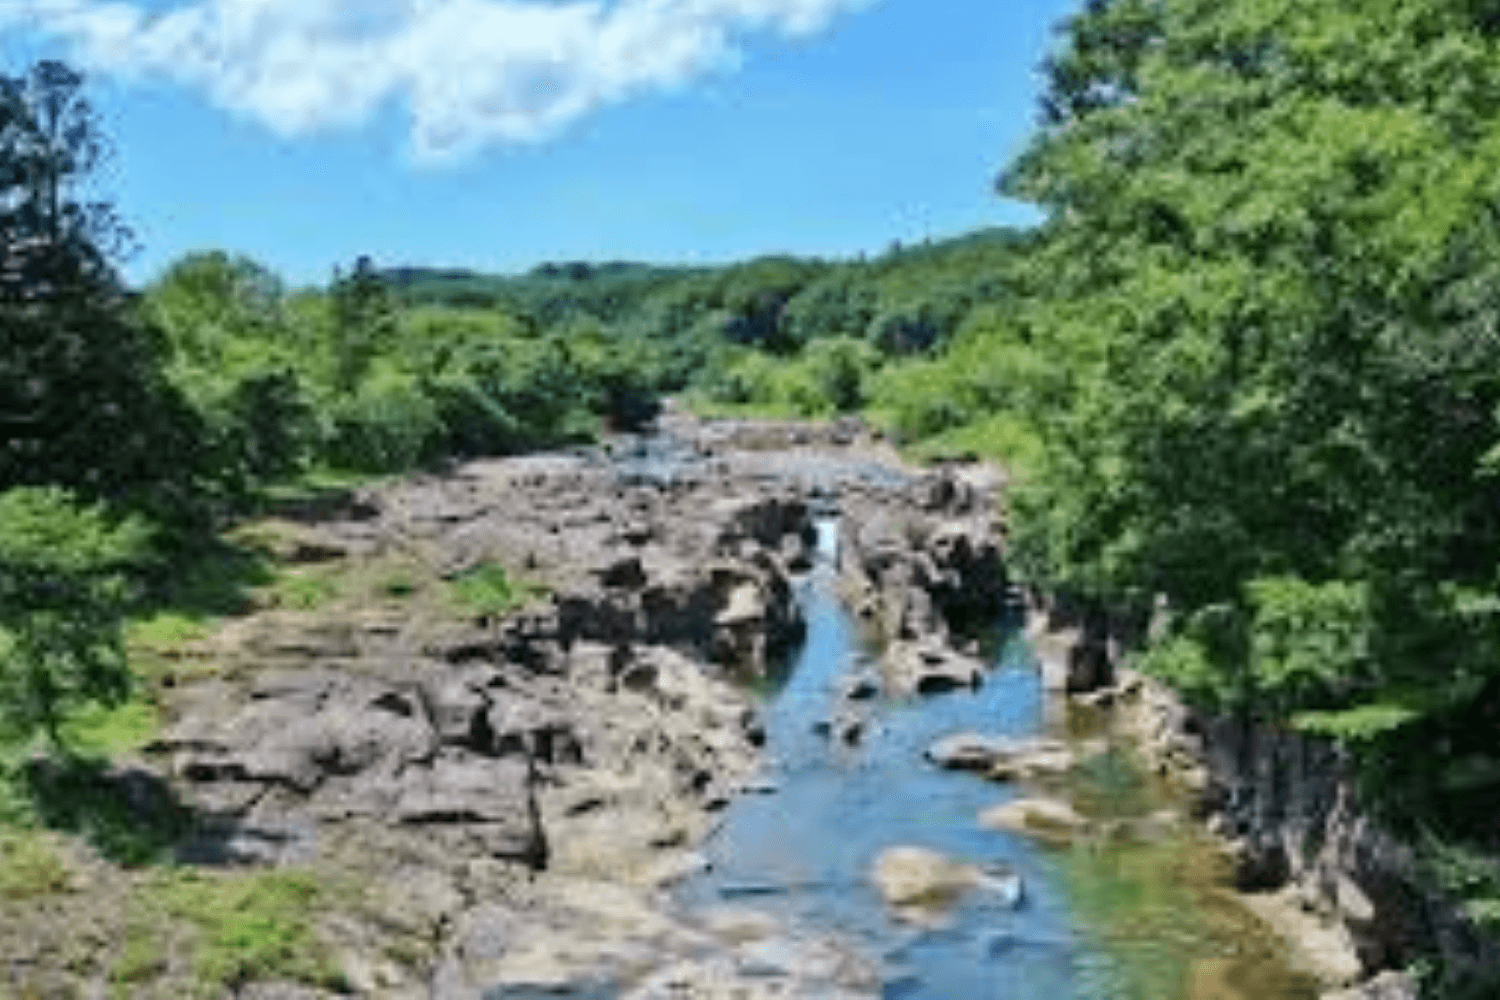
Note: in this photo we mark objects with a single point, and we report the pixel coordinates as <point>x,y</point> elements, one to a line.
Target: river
<point>1092,925</point>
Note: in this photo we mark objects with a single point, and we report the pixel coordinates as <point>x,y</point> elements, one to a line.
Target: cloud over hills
<point>473,73</point>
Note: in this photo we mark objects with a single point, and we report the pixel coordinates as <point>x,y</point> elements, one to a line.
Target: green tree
<point>1257,348</point>
<point>241,362</point>
<point>364,323</point>
<point>63,591</point>
<point>52,143</point>
<point>83,401</point>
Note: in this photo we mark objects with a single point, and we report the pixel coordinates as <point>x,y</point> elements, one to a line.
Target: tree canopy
<point>1248,362</point>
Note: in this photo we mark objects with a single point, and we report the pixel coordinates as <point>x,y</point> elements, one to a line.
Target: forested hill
<point>914,296</point>
<point>386,369</point>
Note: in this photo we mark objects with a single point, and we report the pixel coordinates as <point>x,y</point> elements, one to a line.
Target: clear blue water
<point>805,850</point>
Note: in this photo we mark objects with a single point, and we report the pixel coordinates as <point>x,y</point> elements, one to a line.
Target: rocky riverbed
<point>566,788</point>
<point>508,792</point>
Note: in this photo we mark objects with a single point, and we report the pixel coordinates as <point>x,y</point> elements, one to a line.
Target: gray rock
<point>1386,986</point>
<point>861,687</point>
<point>920,884</point>
<point>929,668</point>
<point>625,571</point>
<point>457,710</point>
<point>968,752</point>
<point>843,727</point>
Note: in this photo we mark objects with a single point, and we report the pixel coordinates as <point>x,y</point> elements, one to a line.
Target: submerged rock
<point>1003,759</point>
<point>920,884</point>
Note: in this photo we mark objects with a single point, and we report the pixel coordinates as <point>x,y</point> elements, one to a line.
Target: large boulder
<point>928,668</point>
<point>738,611</point>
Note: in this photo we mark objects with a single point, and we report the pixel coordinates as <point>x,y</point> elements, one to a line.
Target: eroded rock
<point>929,667</point>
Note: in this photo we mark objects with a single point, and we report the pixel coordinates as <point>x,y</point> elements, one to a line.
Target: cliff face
<point>1287,807</point>
<point>1311,857</point>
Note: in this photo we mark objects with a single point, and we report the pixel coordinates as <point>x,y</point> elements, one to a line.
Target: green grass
<point>143,957</point>
<point>164,630</point>
<point>488,589</point>
<point>101,730</point>
<point>304,589</point>
<point>207,580</point>
<point>399,585</point>
<point>322,478</point>
<point>29,866</point>
<point>318,489</point>
<point>227,929</point>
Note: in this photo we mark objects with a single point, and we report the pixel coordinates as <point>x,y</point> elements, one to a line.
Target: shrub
<point>388,425</point>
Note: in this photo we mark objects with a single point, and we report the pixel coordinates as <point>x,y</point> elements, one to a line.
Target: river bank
<point>1283,814</point>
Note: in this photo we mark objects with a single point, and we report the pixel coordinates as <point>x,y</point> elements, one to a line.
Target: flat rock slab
<point>920,884</point>
<point>1047,820</point>
<point>1323,947</point>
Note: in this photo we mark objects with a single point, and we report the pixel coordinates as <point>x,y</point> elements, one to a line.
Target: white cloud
<point>473,72</point>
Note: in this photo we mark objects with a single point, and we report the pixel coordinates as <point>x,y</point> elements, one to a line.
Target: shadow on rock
<point>127,814</point>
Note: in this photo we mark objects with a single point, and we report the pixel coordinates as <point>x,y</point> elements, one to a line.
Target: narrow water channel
<point>803,848</point>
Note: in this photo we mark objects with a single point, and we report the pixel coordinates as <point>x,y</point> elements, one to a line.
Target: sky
<point>498,134</point>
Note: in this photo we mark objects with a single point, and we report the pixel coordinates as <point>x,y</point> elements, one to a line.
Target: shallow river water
<point>1153,921</point>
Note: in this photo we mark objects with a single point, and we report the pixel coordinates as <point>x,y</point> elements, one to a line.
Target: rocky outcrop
<point>698,564</point>
<point>925,561</point>
<point>1079,645</point>
<point>923,566</point>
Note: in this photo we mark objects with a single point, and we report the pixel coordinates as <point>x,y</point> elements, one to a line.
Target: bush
<point>840,368</point>
<point>487,589</point>
<point>388,425</point>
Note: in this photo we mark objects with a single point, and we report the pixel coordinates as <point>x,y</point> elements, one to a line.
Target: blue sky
<point>495,134</point>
